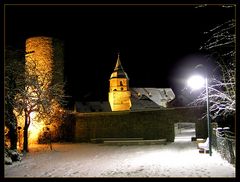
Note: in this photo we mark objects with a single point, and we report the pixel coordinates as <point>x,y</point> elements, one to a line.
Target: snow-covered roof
<point>141,99</point>
<point>160,96</point>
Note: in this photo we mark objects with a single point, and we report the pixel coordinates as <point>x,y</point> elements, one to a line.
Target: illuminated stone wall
<point>119,100</point>
<point>48,54</point>
<point>39,51</point>
<point>119,84</point>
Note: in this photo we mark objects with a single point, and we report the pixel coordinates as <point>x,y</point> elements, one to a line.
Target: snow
<point>178,159</point>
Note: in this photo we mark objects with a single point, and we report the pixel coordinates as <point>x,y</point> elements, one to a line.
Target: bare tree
<point>39,96</point>
<point>221,46</point>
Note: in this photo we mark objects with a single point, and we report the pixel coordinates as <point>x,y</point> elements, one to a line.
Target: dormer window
<point>139,94</point>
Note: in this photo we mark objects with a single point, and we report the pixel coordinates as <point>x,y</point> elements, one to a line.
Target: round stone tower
<point>47,55</point>
<point>44,59</point>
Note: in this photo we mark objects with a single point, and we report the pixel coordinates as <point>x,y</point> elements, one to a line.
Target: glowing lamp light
<point>196,82</point>
<point>35,128</point>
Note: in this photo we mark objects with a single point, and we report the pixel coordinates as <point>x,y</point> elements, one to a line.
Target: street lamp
<point>197,82</point>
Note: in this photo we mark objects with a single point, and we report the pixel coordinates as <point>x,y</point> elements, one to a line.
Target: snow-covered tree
<point>34,94</point>
<point>220,45</point>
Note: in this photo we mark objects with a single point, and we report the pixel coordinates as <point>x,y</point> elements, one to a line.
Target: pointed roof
<point>118,70</point>
<point>118,64</point>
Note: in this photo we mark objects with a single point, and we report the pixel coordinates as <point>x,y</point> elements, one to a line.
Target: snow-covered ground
<point>178,159</point>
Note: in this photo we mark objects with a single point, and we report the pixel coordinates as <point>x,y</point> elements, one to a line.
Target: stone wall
<point>142,124</point>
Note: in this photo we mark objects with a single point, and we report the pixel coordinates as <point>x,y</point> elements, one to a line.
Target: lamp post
<point>208,119</point>
<point>197,82</point>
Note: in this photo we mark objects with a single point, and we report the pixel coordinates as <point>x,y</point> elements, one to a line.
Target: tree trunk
<point>25,133</point>
<point>13,136</point>
<point>12,126</point>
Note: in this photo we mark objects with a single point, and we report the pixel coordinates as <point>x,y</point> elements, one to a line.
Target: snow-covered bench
<point>204,146</point>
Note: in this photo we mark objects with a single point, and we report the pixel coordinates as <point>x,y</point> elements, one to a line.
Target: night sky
<point>156,43</point>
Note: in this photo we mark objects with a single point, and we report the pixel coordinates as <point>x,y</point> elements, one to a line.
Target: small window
<point>121,84</point>
<point>121,88</point>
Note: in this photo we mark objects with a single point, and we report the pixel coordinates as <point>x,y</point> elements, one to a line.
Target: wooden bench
<point>200,140</point>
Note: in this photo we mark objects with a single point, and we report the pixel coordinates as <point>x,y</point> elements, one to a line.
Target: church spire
<point>118,64</point>
<point>118,70</point>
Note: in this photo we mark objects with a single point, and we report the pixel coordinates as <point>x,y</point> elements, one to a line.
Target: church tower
<point>119,94</point>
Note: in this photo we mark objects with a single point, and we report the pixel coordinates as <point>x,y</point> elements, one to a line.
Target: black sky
<point>153,41</point>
